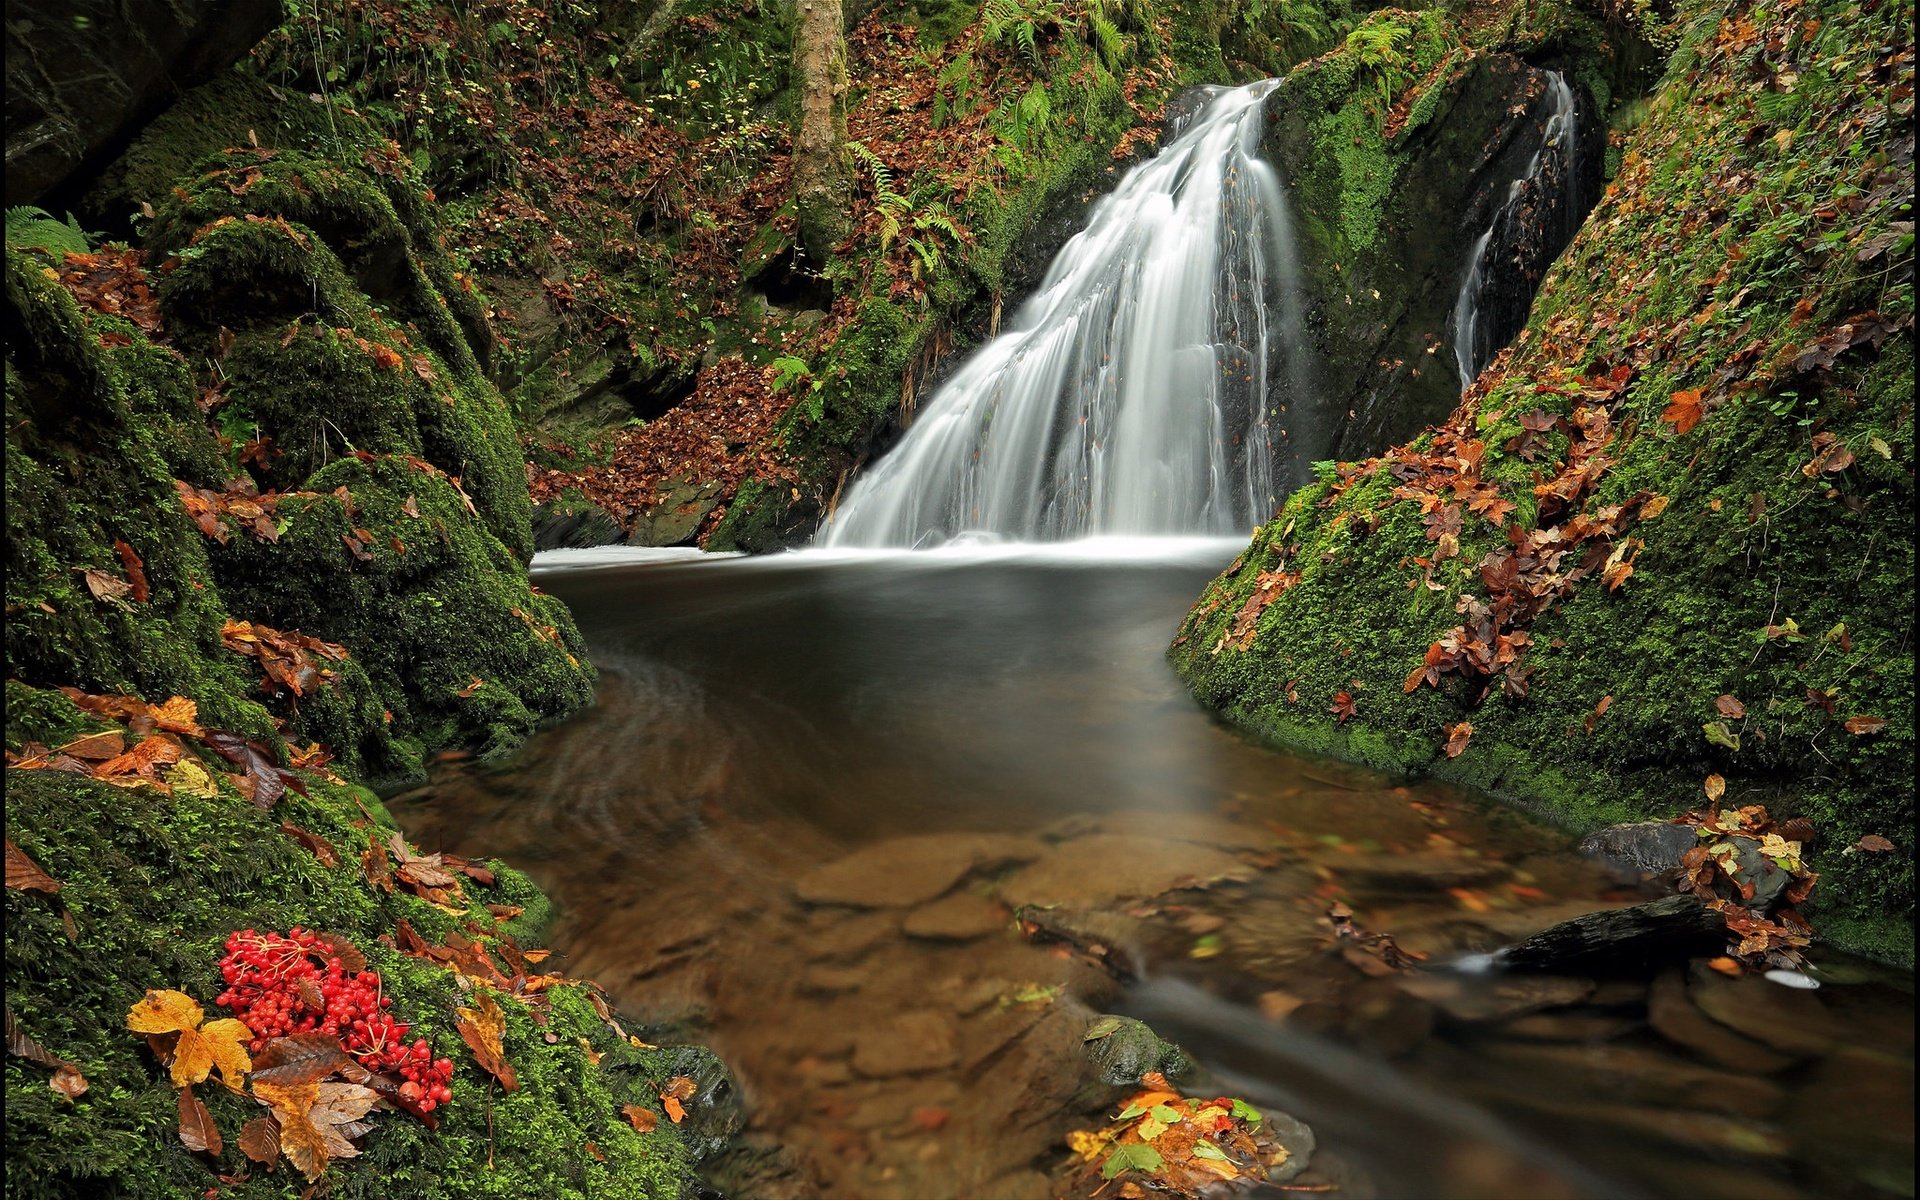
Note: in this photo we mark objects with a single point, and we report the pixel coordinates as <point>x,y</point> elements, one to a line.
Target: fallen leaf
<point>310,1117</point>
<point>200,1048</point>
<point>1726,966</point>
<point>643,1119</point>
<point>1873,843</point>
<point>299,1058</point>
<point>931,1119</point>
<point>1729,706</point>
<point>1683,411</point>
<point>67,1079</point>
<point>322,849</point>
<point>1715,787</point>
<point>25,875</point>
<point>97,747</point>
<point>197,1130</point>
<point>1457,737</point>
<point>1862,725</point>
<point>106,588</point>
<point>260,1140</point>
<point>136,571</point>
<point>678,1089</point>
<point>482,1028</point>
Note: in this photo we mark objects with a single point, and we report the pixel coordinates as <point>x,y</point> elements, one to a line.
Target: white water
<point>1130,394</point>
<point>1473,345</point>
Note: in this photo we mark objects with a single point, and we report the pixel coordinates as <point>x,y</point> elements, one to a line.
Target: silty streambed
<point>816,785</point>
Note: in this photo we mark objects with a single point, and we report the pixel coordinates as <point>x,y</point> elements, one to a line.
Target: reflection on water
<point>917,744</point>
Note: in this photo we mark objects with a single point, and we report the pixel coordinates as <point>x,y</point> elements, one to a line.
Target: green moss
<point>1749,538</point>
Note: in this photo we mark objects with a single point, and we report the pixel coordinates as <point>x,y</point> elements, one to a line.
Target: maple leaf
<point>1342,707</point>
<point>1683,412</point>
<point>25,875</point>
<point>200,1048</point>
<point>482,1028</point>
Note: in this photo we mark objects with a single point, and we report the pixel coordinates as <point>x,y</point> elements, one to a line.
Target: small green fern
<point>30,228</point>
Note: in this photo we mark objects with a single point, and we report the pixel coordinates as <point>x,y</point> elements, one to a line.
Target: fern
<point>31,228</point>
<point>1020,24</point>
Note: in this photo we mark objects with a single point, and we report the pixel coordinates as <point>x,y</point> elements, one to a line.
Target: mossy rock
<point>1753,533</point>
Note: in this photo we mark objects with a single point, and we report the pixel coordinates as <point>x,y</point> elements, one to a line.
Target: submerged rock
<point>902,872</point>
<point>1622,940</point>
<point>1103,868</point>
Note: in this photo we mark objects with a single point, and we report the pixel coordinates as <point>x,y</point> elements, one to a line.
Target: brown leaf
<point>1729,706</point>
<point>136,571</point>
<point>1683,411</point>
<point>25,875</point>
<point>68,1081</point>
<point>106,588</point>
<point>1715,787</point>
<point>482,1028</point>
<point>1873,843</point>
<point>260,1141</point>
<point>1457,738</point>
<point>1863,725</point>
<point>678,1089</point>
<point>643,1119</point>
<point>1342,707</point>
<point>197,1130</point>
<point>378,871</point>
<point>348,953</point>
<point>322,849</point>
<point>97,747</point>
<point>299,1058</point>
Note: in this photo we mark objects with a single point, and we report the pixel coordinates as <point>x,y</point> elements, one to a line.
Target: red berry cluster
<point>295,983</point>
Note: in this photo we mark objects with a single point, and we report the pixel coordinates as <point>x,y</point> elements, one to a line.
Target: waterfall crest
<point>1550,182</point>
<point>1131,393</point>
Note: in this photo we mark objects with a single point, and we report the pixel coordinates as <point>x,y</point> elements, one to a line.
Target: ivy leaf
<point>1131,1157</point>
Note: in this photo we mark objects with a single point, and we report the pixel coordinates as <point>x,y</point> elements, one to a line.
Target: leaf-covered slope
<point>1691,478</point>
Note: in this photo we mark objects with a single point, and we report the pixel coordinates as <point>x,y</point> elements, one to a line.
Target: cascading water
<point>1551,180</point>
<point>1131,394</point>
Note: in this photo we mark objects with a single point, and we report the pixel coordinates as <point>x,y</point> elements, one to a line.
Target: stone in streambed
<point>1622,940</point>
<point>1673,1016</point>
<point>1105,868</point>
<point>903,872</point>
<point>1476,999</point>
<point>907,1044</point>
<point>1640,847</point>
<point>1127,1049</point>
<point>960,917</point>
<point>1417,872</point>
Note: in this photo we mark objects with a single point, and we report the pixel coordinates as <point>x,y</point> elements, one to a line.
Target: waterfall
<point>1131,394</point>
<point>1551,181</point>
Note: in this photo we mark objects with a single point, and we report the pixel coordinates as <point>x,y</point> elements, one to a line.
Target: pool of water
<point>820,790</point>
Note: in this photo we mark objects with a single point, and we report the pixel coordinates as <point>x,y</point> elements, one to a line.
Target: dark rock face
<point>579,528</point>
<point>1621,941</point>
<point>1640,847</point>
<point>1385,233</point>
<point>82,78</point>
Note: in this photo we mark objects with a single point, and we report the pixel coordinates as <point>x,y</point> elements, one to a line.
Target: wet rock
<point>676,517</point>
<point>1131,1050</point>
<point>83,77</point>
<point>1624,1072</point>
<point>715,1111</point>
<point>906,1045</point>
<point>961,917</point>
<point>824,980</point>
<point>1856,1120</point>
<point>573,527</point>
<point>1673,1016</point>
<point>1622,940</point>
<point>1297,1137</point>
<point>1110,938</point>
<point>1419,873</point>
<point>1478,999</point>
<point>1583,1028</point>
<point>842,937</point>
<point>1752,867</point>
<point>902,872</point>
<point>1021,1185</point>
<point>1104,868</point>
<point>1793,1022</point>
<point>1640,847</point>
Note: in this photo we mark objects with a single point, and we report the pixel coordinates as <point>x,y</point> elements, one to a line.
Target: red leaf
<point>136,570</point>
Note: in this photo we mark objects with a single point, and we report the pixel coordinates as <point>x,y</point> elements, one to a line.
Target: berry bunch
<point>295,983</point>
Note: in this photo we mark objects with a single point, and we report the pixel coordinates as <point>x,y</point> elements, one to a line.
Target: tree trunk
<point>822,191</point>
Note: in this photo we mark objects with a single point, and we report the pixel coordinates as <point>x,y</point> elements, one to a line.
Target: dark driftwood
<point>1622,941</point>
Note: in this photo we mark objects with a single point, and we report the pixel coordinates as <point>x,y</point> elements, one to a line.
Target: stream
<point>817,786</point>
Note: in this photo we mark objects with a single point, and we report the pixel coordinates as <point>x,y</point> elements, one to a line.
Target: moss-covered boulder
<point>1669,535</point>
<point>1399,147</point>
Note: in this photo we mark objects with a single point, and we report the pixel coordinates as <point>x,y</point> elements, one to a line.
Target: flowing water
<point>816,787</point>
<point>1137,391</point>
<point>1551,181</point>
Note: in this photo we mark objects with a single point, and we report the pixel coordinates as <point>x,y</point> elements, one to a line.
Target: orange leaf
<point>641,1118</point>
<point>1684,411</point>
<point>482,1028</point>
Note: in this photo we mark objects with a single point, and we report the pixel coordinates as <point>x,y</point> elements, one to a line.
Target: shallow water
<point>903,1036</point>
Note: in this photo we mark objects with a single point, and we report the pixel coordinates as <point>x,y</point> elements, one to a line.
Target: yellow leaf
<point>189,778</point>
<point>164,1012</point>
<point>303,1143</point>
<point>226,1042</point>
<point>1087,1145</point>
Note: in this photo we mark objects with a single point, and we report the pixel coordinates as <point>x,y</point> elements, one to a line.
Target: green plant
<point>1022,24</point>
<point>37,229</point>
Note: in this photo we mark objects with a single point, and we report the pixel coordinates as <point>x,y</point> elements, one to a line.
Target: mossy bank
<point>279,417</point>
<point>1714,391</point>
